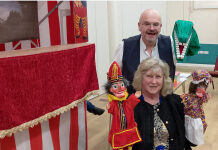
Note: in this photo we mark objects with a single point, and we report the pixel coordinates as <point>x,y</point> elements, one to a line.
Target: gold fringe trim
<point>47,116</point>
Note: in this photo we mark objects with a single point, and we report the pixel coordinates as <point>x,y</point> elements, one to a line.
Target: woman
<point>159,114</point>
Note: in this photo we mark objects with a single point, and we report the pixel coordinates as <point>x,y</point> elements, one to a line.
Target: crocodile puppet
<point>185,39</point>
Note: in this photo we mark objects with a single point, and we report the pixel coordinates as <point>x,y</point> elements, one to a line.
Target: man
<point>148,44</point>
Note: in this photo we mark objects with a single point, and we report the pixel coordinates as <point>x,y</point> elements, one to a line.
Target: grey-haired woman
<point>160,113</point>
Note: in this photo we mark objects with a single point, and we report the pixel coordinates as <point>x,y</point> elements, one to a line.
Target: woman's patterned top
<point>161,134</point>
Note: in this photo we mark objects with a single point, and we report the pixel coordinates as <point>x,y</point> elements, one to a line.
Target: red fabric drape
<point>33,85</point>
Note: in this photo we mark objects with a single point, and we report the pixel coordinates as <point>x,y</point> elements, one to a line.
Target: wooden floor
<point>98,126</point>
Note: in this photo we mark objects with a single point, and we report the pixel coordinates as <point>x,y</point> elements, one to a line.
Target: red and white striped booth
<point>43,90</point>
<point>55,27</point>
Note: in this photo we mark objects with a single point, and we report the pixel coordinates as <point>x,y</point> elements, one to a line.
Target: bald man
<point>150,43</point>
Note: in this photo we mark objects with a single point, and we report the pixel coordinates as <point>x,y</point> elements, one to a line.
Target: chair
<point>216,65</point>
<point>214,73</point>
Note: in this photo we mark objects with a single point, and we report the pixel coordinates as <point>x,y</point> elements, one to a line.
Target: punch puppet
<point>124,132</point>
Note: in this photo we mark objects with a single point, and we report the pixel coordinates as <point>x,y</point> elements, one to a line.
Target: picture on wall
<point>80,21</point>
<point>18,21</point>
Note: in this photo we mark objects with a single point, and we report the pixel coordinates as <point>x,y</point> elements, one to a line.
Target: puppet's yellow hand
<point>138,94</point>
<point>108,106</point>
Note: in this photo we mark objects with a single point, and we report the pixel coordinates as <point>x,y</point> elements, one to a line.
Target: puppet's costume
<point>185,39</point>
<point>195,123</point>
<point>80,18</point>
<point>124,132</point>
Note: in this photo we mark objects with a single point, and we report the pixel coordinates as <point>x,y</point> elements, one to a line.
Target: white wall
<point>98,34</point>
<point>111,21</point>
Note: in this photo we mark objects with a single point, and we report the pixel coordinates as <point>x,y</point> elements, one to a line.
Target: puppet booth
<point>45,75</point>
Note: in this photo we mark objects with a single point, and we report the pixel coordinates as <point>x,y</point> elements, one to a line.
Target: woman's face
<point>152,81</point>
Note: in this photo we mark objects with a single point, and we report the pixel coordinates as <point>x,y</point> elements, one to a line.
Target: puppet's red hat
<point>115,73</point>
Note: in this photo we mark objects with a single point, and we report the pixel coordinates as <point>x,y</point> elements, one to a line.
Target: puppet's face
<point>200,91</point>
<point>118,89</point>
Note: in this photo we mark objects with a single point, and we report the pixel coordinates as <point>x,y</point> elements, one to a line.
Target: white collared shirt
<point>143,52</point>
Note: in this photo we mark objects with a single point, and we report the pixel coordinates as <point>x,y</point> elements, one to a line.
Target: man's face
<point>150,26</point>
<point>118,89</point>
